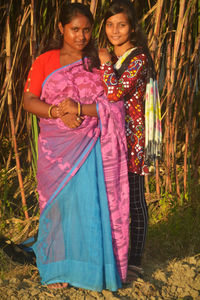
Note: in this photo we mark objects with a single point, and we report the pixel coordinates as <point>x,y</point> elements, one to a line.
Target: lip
<point>80,42</point>
<point>115,37</point>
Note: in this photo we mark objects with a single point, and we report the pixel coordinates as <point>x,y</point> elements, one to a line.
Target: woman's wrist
<point>53,112</point>
<point>79,113</point>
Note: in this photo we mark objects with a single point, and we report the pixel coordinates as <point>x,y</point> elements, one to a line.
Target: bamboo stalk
<point>158,15</point>
<point>9,97</point>
<point>146,181</point>
<point>25,16</point>
<point>33,33</point>
<point>176,93</point>
<point>168,104</point>
<point>93,6</point>
<point>172,73</point>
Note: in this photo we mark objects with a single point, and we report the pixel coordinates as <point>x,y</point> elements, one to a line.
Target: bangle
<point>79,109</point>
<point>49,111</point>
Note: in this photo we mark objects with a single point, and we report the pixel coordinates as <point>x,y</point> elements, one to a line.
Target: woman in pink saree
<point>82,164</point>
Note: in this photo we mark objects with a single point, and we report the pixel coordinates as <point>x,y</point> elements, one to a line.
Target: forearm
<point>89,110</point>
<point>37,107</point>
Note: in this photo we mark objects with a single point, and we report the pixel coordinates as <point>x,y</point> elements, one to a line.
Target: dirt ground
<point>163,279</point>
<point>177,279</point>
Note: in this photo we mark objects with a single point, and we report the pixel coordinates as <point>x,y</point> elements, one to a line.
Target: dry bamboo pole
<point>33,33</point>
<point>24,18</point>
<point>18,116</point>
<point>56,20</point>
<point>177,41</point>
<point>177,105</point>
<point>183,14</point>
<point>79,1</point>
<point>149,3</point>
<point>32,55</point>
<point>158,14</point>
<point>188,91</point>
<point>9,97</point>
<point>93,7</point>
<point>195,59</point>
<point>196,49</point>
<point>168,186</point>
<point>190,119</point>
<point>149,13</point>
<point>175,121</point>
<point>159,11</point>
<point>146,184</point>
<point>192,78</point>
<point>183,87</point>
<point>196,171</point>
<point>170,144</point>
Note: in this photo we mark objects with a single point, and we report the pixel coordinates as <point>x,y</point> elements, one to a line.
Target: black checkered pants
<point>139,218</point>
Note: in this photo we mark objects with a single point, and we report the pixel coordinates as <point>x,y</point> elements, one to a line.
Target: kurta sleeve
<point>116,88</point>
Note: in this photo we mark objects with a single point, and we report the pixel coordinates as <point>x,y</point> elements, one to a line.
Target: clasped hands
<point>67,112</point>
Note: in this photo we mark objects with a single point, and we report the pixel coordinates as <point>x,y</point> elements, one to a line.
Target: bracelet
<point>49,111</point>
<point>79,109</point>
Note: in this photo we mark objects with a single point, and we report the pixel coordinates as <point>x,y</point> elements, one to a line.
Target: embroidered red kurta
<point>130,88</point>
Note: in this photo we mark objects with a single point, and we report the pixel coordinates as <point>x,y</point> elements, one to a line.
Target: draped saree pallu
<point>83,187</point>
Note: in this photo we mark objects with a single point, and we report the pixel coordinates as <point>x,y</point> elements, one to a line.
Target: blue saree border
<point>59,70</point>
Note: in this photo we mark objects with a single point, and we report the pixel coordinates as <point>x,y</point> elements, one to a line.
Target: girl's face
<point>76,34</point>
<point>118,29</point>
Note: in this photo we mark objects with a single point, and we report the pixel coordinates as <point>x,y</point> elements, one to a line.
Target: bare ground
<point>177,279</point>
<point>163,279</point>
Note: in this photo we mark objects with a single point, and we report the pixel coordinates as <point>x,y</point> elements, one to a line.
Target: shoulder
<point>140,59</point>
<point>44,57</point>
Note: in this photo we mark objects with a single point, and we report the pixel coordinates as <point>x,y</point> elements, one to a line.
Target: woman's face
<point>77,33</point>
<point>118,29</point>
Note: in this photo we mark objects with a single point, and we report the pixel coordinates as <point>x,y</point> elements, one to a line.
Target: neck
<point>65,51</point>
<point>68,57</point>
<point>120,50</point>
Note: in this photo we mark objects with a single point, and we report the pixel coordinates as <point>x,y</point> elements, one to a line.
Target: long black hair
<point>67,13</point>
<point>137,36</point>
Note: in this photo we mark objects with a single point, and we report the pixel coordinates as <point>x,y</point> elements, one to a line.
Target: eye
<point>122,24</point>
<point>75,29</point>
<point>87,30</point>
<point>108,24</point>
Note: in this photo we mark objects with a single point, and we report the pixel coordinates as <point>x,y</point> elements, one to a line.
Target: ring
<point>78,119</point>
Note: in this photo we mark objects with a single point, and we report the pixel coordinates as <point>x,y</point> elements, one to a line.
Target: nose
<point>115,28</point>
<point>81,34</point>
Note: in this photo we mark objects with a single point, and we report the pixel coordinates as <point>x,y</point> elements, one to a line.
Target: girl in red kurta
<point>124,75</point>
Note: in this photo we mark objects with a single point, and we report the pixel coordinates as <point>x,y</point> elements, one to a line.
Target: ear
<point>60,27</point>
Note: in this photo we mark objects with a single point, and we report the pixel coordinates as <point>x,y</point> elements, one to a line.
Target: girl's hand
<point>71,120</point>
<point>104,55</point>
<point>67,106</point>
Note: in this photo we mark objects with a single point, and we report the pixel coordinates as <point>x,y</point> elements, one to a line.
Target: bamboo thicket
<point>173,30</point>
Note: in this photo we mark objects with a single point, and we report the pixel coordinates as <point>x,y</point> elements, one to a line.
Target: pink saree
<point>62,151</point>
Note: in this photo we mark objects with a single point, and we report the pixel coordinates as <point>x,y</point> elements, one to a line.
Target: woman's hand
<point>67,106</point>
<point>71,120</point>
<point>104,55</point>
